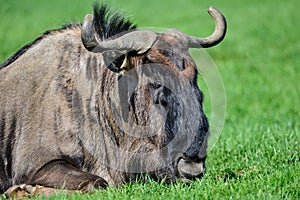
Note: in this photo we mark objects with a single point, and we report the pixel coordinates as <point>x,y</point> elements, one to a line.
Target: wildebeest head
<point>156,106</point>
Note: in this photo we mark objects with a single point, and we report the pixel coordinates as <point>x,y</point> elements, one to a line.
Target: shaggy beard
<point>152,165</point>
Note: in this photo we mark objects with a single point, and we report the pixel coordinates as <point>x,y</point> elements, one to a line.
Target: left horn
<point>139,41</point>
<point>218,34</point>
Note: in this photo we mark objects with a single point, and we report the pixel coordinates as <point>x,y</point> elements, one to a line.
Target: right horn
<point>217,36</point>
<point>138,40</point>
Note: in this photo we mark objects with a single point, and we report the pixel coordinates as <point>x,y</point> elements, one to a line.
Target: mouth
<point>189,170</point>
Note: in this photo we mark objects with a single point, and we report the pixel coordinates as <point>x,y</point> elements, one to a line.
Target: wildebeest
<point>102,103</point>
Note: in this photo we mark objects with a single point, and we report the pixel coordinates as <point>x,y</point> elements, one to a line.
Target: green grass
<point>257,155</point>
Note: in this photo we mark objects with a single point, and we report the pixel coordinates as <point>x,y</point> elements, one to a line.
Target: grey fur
<point>63,112</point>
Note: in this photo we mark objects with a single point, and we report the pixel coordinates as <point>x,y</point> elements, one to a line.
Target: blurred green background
<point>257,155</point>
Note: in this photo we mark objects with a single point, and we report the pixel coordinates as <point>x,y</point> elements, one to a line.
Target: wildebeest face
<point>157,106</point>
<point>161,113</point>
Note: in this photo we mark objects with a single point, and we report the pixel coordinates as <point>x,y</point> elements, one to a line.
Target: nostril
<point>196,152</point>
<point>194,159</point>
<point>194,156</point>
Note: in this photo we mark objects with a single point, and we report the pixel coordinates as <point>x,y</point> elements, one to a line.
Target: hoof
<point>19,191</point>
<point>24,190</point>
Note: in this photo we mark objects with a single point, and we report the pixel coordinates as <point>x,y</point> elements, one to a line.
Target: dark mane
<point>107,24</point>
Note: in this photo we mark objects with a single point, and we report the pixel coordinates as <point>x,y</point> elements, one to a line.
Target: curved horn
<point>140,40</point>
<point>218,34</point>
<point>88,33</point>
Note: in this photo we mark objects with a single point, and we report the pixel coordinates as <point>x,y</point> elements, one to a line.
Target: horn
<point>88,33</point>
<point>140,40</point>
<point>218,34</point>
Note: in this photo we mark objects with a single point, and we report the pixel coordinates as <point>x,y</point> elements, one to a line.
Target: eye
<point>156,85</point>
<point>159,94</point>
